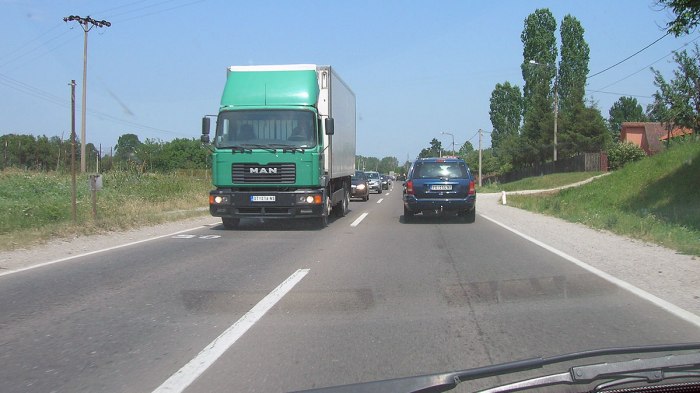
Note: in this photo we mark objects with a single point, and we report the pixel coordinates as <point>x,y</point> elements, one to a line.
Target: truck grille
<point>279,173</point>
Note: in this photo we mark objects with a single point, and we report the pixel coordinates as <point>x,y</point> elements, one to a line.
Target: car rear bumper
<point>439,204</point>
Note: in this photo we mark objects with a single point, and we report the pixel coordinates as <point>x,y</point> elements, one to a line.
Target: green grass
<point>656,199</point>
<point>36,206</point>
<point>540,182</point>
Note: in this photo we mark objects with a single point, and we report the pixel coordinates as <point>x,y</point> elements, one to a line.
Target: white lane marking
<point>179,381</point>
<point>380,200</point>
<point>670,307</point>
<point>359,219</point>
<point>96,252</point>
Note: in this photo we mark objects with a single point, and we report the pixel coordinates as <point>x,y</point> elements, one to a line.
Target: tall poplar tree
<point>538,69</point>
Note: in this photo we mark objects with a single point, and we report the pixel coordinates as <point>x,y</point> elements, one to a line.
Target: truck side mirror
<point>206,123</point>
<point>329,125</point>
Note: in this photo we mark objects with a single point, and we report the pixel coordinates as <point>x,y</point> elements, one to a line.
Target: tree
<point>182,153</point>
<point>505,111</point>
<point>538,69</point>
<point>678,102</point>
<point>624,109</point>
<point>435,149</point>
<point>587,134</point>
<point>465,149</point>
<point>388,164</point>
<point>687,15</point>
<point>573,67</point>
<point>126,147</point>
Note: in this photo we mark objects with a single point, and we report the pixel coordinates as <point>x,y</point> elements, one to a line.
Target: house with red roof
<point>649,136</point>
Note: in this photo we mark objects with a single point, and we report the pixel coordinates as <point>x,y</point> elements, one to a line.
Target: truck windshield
<point>266,128</point>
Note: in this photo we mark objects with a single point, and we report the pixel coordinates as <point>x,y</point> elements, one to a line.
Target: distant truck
<point>284,145</point>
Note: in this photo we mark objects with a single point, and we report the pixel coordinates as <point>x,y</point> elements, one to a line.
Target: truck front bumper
<point>266,204</point>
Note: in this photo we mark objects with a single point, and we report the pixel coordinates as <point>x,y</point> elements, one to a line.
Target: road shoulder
<point>65,248</point>
<point>658,270</point>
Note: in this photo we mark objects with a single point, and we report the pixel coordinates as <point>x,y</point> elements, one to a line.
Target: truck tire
<point>230,223</point>
<point>323,220</point>
<point>341,210</point>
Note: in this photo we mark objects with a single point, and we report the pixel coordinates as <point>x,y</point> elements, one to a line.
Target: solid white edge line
<point>184,377</point>
<point>670,307</point>
<point>94,252</point>
<point>359,219</point>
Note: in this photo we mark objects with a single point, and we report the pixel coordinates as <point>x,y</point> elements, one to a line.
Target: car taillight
<point>472,189</point>
<point>409,187</point>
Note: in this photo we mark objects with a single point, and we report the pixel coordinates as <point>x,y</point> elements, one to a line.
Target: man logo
<point>268,171</point>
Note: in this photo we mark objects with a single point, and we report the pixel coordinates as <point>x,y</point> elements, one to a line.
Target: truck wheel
<point>323,220</point>
<point>342,209</point>
<point>230,223</point>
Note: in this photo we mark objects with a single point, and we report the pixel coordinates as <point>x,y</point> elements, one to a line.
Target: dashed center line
<point>184,377</point>
<point>359,219</point>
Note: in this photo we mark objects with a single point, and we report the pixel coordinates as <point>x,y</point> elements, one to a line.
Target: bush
<point>620,153</point>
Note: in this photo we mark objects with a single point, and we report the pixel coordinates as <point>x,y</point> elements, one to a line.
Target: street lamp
<point>453,141</point>
<point>556,104</point>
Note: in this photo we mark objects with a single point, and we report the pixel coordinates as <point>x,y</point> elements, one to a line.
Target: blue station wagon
<point>439,185</point>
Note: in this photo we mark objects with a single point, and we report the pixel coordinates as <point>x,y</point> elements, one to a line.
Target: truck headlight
<point>218,199</point>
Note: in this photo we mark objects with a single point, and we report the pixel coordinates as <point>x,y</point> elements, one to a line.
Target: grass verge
<point>36,206</point>
<point>656,199</point>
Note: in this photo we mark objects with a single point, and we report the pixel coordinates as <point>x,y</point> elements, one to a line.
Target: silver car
<point>375,181</point>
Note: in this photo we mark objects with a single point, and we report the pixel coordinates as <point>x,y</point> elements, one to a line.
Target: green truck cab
<point>284,145</point>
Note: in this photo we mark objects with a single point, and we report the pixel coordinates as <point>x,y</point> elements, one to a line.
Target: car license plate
<point>441,187</point>
<point>262,198</point>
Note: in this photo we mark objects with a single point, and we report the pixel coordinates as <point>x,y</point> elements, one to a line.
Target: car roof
<point>440,159</point>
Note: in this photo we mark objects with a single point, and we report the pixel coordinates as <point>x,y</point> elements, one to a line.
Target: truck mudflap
<point>266,204</point>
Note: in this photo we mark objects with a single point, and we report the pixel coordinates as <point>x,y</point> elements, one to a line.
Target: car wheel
<point>230,223</point>
<point>469,216</point>
<point>407,215</point>
<point>379,191</point>
<point>366,197</point>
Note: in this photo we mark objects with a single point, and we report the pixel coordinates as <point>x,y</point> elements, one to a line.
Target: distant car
<point>439,185</point>
<point>360,188</point>
<point>386,182</point>
<point>375,181</point>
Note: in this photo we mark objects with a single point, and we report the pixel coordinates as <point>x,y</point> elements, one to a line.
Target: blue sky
<point>418,68</point>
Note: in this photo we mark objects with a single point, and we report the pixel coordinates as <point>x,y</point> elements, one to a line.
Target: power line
<point>629,57</point>
<point>618,94</point>
<point>651,64</point>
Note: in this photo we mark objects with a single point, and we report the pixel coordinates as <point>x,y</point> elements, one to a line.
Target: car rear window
<point>450,170</point>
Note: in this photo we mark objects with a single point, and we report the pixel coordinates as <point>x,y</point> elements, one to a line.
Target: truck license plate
<point>441,187</point>
<point>262,198</point>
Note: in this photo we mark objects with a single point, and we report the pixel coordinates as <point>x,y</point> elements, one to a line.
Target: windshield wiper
<point>238,149</point>
<point>651,370</point>
<point>620,373</point>
<point>256,146</point>
<point>291,148</point>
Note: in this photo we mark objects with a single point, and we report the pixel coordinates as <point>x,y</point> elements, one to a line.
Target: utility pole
<point>480,133</point>
<point>556,114</point>
<point>72,155</point>
<point>87,24</point>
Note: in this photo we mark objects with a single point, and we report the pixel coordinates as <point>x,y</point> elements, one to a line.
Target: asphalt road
<point>379,299</point>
